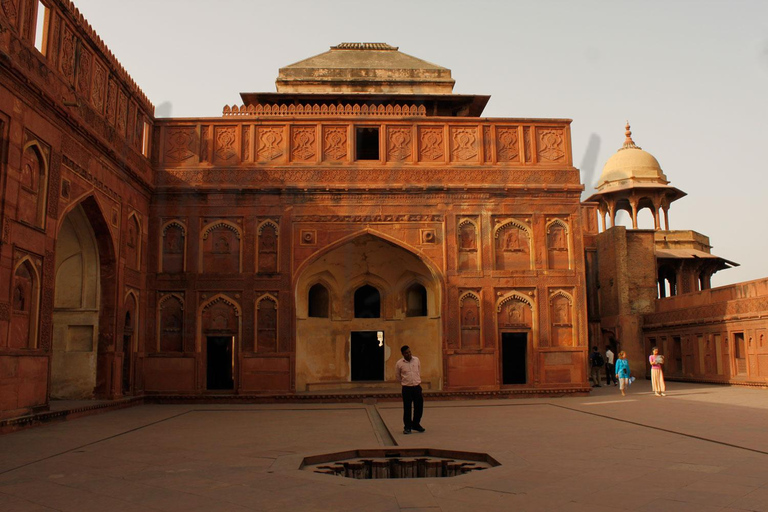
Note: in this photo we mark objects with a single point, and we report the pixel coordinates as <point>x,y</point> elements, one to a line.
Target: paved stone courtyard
<point>701,448</point>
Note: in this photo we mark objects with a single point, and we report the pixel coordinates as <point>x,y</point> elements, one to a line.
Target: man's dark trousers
<point>610,373</point>
<point>412,398</point>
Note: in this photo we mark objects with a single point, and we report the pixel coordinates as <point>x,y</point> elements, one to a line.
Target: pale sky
<point>690,76</point>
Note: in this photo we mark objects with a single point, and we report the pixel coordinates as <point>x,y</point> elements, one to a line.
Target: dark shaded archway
<point>91,228</point>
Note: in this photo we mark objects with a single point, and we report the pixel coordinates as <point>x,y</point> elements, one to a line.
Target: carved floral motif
<point>122,112</point>
<point>551,145</point>
<point>225,143</point>
<point>181,144</point>
<point>84,73</point>
<point>431,144</point>
<point>399,144</point>
<point>303,143</point>
<point>9,8</point>
<point>334,143</point>
<point>507,143</point>
<point>270,143</point>
<point>99,85</point>
<point>111,101</point>
<point>464,144</point>
<point>68,55</point>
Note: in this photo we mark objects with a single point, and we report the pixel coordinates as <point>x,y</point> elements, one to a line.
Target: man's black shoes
<point>406,431</point>
<point>419,428</point>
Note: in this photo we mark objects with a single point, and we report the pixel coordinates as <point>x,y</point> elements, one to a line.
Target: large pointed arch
<point>328,352</point>
<point>92,227</point>
<point>433,268</point>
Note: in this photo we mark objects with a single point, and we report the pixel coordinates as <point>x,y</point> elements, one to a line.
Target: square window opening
<point>367,143</point>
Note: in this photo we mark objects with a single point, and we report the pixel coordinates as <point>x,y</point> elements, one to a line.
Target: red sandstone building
<point>293,244</point>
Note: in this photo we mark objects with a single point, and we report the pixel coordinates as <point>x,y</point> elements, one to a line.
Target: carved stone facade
<point>291,245</point>
<point>75,190</point>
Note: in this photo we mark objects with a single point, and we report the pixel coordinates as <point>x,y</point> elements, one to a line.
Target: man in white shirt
<point>408,372</point>
<point>610,367</point>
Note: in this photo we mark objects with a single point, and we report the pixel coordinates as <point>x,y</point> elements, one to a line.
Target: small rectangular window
<point>41,27</point>
<point>145,139</point>
<point>367,143</point>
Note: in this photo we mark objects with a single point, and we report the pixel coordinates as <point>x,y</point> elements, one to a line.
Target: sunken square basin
<point>398,463</point>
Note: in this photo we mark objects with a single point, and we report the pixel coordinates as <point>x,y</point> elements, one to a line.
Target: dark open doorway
<point>220,362</point>
<point>367,355</point>
<point>514,362</point>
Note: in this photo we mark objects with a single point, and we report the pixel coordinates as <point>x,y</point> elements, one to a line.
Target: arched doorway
<point>373,288</point>
<point>84,301</point>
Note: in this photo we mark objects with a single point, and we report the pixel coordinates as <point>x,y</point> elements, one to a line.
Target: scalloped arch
<point>168,296</point>
<point>561,293</point>
<point>511,222</point>
<point>514,295</point>
<point>559,222</point>
<point>468,295</point>
<point>266,296</point>
<point>174,222</point>
<point>220,297</point>
<point>268,222</point>
<point>221,224</point>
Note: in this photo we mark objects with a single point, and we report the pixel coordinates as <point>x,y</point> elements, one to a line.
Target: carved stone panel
<point>561,316</point>
<point>303,144</point>
<point>512,244</point>
<point>11,11</point>
<point>551,145</point>
<point>271,145</point>
<point>99,87</point>
<point>173,244</point>
<point>527,144</point>
<point>84,72</point>
<point>268,246</point>
<point>431,144</point>
<point>507,144</point>
<point>464,144</point>
<point>180,144</point>
<point>225,144</point>
<point>221,249</point>
<point>220,317</point>
<point>468,257</point>
<point>557,246</point>
<point>67,60</point>
<point>246,143</point>
<point>334,143</point>
<point>122,113</point>
<point>24,304</point>
<point>32,180</point>
<point>111,101</point>
<point>469,308</point>
<point>133,244</point>
<point>399,144</point>
<point>515,312</point>
<point>171,319</point>
<point>266,326</point>
<point>487,144</point>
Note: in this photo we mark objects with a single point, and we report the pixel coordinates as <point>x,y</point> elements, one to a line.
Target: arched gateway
<point>379,296</point>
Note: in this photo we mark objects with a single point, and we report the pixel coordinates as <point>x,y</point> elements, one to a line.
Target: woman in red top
<point>657,375</point>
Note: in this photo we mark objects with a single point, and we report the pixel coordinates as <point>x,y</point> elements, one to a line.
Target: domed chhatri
<point>630,165</point>
<point>632,180</point>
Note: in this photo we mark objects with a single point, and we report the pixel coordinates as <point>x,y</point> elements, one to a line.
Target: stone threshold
<point>360,395</point>
<point>63,410</point>
<point>66,410</point>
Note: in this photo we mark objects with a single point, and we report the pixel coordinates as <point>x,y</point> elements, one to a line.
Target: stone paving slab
<point>701,448</point>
